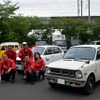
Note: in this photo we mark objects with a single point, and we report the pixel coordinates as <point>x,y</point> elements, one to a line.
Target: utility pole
<point>78,9</point>
<point>89,19</point>
<point>81,8</point>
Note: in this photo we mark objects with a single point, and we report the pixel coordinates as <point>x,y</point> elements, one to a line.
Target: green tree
<point>41,27</point>
<point>7,10</point>
<point>96,29</point>
<point>20,27</point>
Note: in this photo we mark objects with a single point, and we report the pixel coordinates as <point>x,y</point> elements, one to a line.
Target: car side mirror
<point>88,62</point>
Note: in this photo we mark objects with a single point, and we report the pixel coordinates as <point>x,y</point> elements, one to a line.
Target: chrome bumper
<point>65,81</point>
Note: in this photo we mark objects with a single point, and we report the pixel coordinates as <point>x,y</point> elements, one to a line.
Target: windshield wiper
<point>70,58</point>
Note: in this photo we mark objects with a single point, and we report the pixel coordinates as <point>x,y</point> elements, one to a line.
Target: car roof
<point>45,46</point>
<point>9,43</point>
<point>94,46</point>
<point>96,41</point>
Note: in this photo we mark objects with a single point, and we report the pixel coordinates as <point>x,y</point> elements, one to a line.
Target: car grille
<point>62,72</point>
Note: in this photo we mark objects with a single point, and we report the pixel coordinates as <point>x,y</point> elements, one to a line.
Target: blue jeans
<point>40,73</point>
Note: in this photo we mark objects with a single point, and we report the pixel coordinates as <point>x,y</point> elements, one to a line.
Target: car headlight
<point>78,74</point>
<point>48,70</point>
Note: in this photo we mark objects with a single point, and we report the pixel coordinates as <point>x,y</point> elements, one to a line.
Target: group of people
<point>33,65</point>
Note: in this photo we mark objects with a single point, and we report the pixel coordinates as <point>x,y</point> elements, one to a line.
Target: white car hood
<point>67,64</point>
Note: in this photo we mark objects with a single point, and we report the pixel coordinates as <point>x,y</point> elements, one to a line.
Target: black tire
<point>53,85</point>
<point>89,86</point>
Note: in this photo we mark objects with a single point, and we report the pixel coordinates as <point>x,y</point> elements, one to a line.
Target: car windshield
<point>38,49</point>
<point>84,53</point>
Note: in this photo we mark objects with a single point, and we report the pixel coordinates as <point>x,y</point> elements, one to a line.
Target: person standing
<point>11,53</point>
<point>7,69</point>
<point>25,50</point>
<point>39,66</point>
<point>29,69</point>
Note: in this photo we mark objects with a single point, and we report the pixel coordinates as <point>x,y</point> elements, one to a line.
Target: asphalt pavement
<point>42,91</point>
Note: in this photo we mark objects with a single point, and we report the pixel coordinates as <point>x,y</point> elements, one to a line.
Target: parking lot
<point>42,91</point>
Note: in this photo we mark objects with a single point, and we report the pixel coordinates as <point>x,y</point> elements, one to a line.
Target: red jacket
<point>5,65</point>
<point>29,66</point>
<point>23,52</point>
<point>0,60</point>
<point>39,65</point>
<point>11,54</point>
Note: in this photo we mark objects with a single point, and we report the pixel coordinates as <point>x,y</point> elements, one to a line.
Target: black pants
<point>6,76</point>
<point>30,76</point>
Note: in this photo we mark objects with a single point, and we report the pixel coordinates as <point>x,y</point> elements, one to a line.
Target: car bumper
<point>19,67</point>
<point>65,81</point>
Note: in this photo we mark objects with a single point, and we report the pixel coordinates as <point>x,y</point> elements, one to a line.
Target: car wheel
<point>89,86</point>
<point>53,85</point>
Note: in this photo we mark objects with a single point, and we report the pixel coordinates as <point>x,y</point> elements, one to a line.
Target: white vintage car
<point>80,67</point>
<point>49,53</point>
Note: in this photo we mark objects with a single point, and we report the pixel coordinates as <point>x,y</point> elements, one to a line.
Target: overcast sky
<point>50,8</point>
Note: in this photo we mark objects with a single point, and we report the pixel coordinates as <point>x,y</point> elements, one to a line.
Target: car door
<point>57,53</point>
<point>48,55</point>
<point>98,64</point>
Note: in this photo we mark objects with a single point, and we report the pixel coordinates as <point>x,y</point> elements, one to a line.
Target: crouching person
<point>29,70</point>
<point>39,66</point>
<point>7,69</point>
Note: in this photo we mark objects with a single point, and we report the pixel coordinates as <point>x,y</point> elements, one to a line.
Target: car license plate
<point>61,81</point>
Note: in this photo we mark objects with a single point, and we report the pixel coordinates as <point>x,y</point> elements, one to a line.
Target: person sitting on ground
<point>11,53</point>
<point>39,66</point>
<point>7,69</point>
<point>29,69</point>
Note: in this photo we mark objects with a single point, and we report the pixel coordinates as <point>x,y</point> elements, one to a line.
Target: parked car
<point>19,66</point>
<point>95,42</point>
<point>61,43</point>
<point>49,53</point>
<point>38,43</point>
<point>80,67</point>
<point>16,47</point>
<point>4,46</point>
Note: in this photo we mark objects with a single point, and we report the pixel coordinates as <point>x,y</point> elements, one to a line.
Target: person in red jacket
<point>23,52</point>
<point>29,69</point>
<point>0,60</point>
<point>39,66</point>
<point>7,69</point>
<point>11,53</point>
